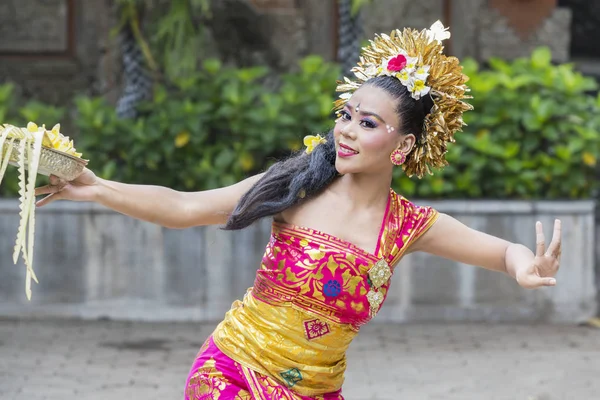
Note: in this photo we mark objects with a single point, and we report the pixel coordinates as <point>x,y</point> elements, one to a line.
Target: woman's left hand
<point>545,263</point>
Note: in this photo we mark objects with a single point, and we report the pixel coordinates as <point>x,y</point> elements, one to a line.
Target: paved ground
<point>61,360</point>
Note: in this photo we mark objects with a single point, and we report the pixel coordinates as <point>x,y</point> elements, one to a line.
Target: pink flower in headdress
<point>397,63</point>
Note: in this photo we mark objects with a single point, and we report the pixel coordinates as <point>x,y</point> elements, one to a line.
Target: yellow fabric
<point>266,338</point>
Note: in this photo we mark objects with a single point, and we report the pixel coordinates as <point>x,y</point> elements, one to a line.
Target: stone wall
<point>92,262</point>
<point>69,50</point>
<point>58,48</point>
<point>383,16</point>
<point>481,32</point>
<point>478,30</point>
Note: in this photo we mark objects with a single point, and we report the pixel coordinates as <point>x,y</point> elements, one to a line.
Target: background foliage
<point>169,40</point>
<point>533,134</point>
<point>213,129</point>
<point>207,130</point>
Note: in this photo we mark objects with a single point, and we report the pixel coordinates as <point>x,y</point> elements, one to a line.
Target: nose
<point>348,132</point>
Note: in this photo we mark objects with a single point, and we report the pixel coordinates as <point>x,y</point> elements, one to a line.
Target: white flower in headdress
<point>411,64</point>
<point>422,72</point>
<point>417,88</point>
<point>404,76</point>
<point>372,70</point>
<point>346,96</point>
<point>437,32</point>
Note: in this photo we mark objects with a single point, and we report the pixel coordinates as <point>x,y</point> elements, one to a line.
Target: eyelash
<point>345,116</point>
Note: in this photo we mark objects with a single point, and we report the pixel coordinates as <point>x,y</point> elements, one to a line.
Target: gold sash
<point>269,339</point>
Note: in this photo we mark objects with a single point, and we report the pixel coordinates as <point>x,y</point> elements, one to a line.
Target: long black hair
<point>303,175</point>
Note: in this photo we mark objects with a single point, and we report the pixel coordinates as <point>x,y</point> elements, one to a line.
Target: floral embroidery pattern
<point>332,288</point>
<point>316,329</point>
<point>291,376</point>
<point>207,383</point>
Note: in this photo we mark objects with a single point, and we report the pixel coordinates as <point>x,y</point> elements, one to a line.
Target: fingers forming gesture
<point>546,262</point>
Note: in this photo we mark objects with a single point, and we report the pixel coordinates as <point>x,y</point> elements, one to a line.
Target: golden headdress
<point>416,59</point>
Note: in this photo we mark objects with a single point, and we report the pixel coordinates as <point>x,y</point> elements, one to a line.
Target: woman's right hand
<point>83,188</point>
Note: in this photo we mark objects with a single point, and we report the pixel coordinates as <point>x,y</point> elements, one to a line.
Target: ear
<point>406,143</point>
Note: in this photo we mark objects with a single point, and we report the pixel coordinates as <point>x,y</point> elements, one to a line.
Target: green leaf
<point>541,57</point>
<point>357,5</point>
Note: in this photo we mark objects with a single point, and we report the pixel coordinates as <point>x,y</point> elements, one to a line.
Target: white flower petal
<point>405,77</point>
<point>411,64</point>
<point>437,32</point>
<point>420,93</point>
<point>371,70</point>
<point>422,72</point>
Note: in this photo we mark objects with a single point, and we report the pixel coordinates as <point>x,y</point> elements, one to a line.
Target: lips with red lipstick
<point>346,151</point>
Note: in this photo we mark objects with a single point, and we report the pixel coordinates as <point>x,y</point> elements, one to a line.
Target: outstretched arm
<point>156,204</point>
<point>451,239</point>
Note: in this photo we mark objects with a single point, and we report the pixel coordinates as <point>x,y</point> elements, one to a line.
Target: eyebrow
<point>368,113</point>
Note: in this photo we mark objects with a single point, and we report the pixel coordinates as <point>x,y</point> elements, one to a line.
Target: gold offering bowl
<point>52,162</point>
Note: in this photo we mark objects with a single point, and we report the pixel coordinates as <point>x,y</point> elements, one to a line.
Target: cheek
<point>336,129</point>
<point>377,142</point>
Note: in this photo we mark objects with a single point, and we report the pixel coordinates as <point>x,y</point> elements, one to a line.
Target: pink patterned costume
<point>287,339</point>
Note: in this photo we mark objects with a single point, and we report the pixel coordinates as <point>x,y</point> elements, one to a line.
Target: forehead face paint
<point>357,108</point>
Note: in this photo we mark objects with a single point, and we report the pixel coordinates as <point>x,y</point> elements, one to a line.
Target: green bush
<point>212,129</point>
<point>534,133</point>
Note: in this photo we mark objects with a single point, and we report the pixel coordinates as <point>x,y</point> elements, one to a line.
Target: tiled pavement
<point>65,359</point>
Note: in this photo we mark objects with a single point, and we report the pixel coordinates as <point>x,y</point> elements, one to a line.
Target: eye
<point>366,123</point>
<point>344,115</point>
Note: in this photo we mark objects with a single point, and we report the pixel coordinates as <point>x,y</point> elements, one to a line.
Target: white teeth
<point>348,151</point>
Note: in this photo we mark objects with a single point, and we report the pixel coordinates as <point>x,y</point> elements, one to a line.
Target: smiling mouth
<point>347,150</point>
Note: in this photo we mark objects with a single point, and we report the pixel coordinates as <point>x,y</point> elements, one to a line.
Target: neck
<point>365,190</point>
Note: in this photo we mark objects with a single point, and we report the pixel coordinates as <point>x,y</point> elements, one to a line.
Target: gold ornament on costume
<point>379,274</point>
<point>416,59</point>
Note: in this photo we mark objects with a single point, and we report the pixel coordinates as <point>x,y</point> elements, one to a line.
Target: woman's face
<point>366,133</point>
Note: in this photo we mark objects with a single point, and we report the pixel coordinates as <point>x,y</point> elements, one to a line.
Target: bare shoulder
<point>307,211</point>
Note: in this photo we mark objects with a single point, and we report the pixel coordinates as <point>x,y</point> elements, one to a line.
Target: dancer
<point>338,230</point>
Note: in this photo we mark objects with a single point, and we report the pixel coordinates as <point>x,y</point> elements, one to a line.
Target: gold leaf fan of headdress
<point>442,79</point>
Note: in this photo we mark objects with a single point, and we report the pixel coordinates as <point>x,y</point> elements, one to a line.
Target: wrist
<point>100,189</point>
<point>517,257</point>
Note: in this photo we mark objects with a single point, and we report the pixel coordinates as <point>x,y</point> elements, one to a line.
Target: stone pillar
<point>482,31</point>
<point>321,27</point>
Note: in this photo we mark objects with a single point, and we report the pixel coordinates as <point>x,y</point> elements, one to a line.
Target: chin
<point>344,167</point>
